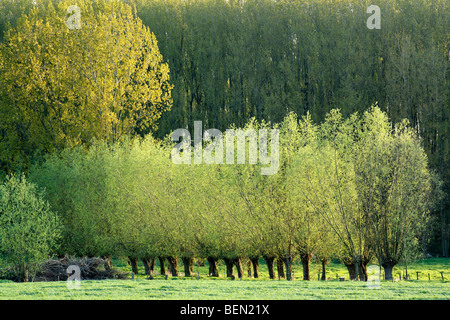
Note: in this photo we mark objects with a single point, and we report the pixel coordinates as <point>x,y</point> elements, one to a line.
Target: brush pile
<point>90,269</point>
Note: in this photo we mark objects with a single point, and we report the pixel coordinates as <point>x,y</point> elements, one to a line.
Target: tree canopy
<point>63,87</point>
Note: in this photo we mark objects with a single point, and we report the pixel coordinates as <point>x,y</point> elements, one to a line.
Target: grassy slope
<point>205,288</point>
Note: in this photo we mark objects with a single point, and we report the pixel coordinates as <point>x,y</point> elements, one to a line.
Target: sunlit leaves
<point>65,87</point>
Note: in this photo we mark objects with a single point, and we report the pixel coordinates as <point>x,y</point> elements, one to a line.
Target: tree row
<point>352,188</point>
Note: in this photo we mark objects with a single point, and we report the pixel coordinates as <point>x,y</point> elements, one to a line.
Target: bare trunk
<point>152,264</point>
<point>187,263</point>
<point>363,267</point>
<point>173,264</point>
<point>249,268</point>
<point>305,257</point>
<point>324,269</point>
<point>351,268</point>
<point>388,267</point>
<point>406,270</point>
<point>387,272</point>
<point>147,267</point>
<point>255,264</point>
<point>134,264</point>
<point>229,265</point>
<point>162,265</point>
<point>280,268</point>
<point>213,270</point>
<point>270,266</point>
<point>238,264</point>
<point>360,268</point>
<point>288,263</point>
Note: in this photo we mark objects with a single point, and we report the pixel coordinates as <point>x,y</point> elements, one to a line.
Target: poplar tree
<point>67,78</point>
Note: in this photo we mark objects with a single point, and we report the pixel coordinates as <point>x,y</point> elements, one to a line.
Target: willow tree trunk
<point>238,264</point>
<point>351,269</point>
<point>213,270</point>
<point>324,269</point>
<point>305,257</point>
<point>229,265</point>
<point>388,267</point>
<point>187,263</point>
<point>255,264</point>
<point>249,267</point>
<point>147,265</point>
<point>360,268</point>
<point>173,264</point>
<point>270,266</point>
<point>288,263</point>
<point>134,264</point>
<point>152,264</point>
<point>280,268</point>
<point>363,270</point>
<point>162,265</point>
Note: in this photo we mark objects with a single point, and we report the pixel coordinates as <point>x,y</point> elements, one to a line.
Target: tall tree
<point>62,86</point>
<point>393,183</point>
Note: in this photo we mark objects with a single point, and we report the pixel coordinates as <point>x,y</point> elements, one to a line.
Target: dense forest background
<point>233,60</point>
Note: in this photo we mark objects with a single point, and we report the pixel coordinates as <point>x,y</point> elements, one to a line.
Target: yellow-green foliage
<point>62,87</point>
<point>29,229</point>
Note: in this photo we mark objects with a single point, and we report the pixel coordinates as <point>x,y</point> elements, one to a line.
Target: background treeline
<point>233,60</point>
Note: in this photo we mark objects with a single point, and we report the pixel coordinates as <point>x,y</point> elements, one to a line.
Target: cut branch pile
<point>90,269</point>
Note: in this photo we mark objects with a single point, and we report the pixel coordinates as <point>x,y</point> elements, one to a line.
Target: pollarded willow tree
<point>351,188</point>
<point>340,136</point>
<point>302,222</point>
<point>394,187</point>
<point>323,185</point>
<point>278,228</point>
<point>63,84</point>
<point>114,199</point>
<point>248,192</point>
<point>79,188</point>
<point>369,183</point>
<point>133,221</point>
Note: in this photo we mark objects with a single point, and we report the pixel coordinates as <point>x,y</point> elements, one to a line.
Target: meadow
<point>90,149</point>
<point>202,287</point>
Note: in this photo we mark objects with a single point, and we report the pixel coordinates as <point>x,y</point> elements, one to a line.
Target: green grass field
<point>206,288</point>
<point>431,267</point>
